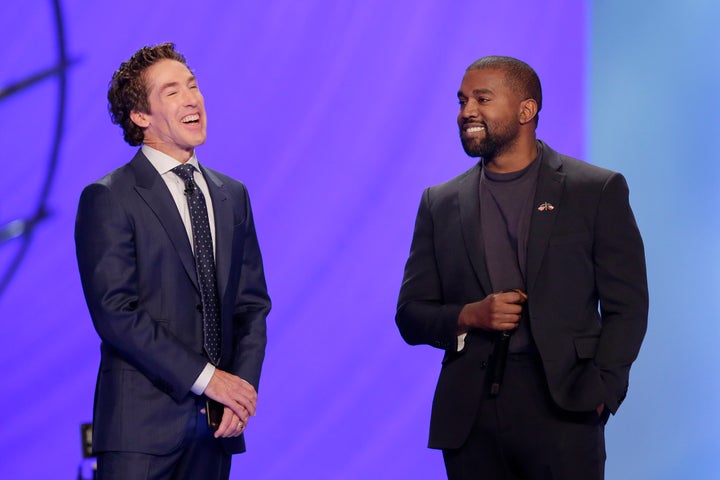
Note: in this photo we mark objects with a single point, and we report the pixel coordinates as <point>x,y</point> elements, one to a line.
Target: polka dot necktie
<point>204,262</point>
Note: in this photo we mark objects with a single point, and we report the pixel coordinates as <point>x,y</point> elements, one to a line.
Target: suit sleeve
<point>252,305</point>
<point>107,260</point>
<point>422,315</point>
<point>621,281</point>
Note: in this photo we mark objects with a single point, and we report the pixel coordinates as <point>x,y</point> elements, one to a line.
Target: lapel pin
<point>546,206</point>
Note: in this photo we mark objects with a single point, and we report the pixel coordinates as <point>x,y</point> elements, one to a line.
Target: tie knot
<point>184,171</point>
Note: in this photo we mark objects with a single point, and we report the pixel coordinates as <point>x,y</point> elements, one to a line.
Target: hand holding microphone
<point>500,312</point>
<point>496,312</point>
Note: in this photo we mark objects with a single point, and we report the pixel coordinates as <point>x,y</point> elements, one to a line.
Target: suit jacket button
<point>483,364</point>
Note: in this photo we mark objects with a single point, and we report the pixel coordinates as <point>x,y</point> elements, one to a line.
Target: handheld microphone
<point>189,187</point>
<point>500,352</point>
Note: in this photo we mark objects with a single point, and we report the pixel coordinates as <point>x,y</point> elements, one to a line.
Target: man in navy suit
<point>529,271</point>
<point>135,248</point>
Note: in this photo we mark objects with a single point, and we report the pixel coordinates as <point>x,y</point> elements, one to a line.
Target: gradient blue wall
<point>653,105</point>
<point>337,115</point>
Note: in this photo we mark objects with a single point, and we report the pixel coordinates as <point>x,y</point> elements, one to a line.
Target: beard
<point>497,139</point>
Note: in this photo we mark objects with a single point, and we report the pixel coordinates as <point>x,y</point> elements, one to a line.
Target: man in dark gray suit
<point>173,278</point>
<point>529,271</point>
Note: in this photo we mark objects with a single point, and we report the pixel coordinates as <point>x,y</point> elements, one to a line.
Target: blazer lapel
<point>469,204</point>
<point>156,194</point>
<point>548,198</point>
<point>224,224</point>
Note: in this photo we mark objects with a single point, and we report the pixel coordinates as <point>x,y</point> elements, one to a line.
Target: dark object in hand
<point>214,412</point>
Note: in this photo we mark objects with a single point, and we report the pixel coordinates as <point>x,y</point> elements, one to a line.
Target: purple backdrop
<point>336,115</point>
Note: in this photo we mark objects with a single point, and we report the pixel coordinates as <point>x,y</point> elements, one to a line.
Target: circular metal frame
<point>23,229</point>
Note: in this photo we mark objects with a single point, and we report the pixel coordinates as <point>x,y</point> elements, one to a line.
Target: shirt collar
<point>163,162</point>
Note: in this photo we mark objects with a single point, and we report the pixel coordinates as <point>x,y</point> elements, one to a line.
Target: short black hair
<point>520,77</point>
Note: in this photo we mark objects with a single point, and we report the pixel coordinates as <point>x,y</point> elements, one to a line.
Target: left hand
<point>231,425</point>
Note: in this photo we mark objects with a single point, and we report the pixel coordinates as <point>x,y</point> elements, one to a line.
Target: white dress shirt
<point>164,164</point>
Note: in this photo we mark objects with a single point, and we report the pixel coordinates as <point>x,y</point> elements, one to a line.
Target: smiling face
<point>490,113</point>
<point>176,122</point>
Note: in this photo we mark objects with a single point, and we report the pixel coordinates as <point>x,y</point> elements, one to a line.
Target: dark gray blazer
<point>138,276</point>
<point>586,285</point>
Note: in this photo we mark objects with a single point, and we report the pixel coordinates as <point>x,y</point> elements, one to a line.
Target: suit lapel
<point>224,223</point>
<point>547,204</point>
<point>469,204</point>
<point>157,196</point>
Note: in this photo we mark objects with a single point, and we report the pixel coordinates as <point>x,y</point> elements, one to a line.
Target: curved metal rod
<point>24,229</point>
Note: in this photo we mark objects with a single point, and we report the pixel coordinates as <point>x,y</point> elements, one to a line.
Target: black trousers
<point>200,457</point>
<point>522,435</point>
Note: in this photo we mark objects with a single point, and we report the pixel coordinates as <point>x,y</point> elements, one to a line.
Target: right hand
<point>496,312</point>
<point>233,392</point>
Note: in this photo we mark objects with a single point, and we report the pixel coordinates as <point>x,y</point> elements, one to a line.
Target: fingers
<point>515,296</point>
<point>239,399</point>
<point>248,396</point>
<point>496,312</point>
<point>507,309</point>
<point>242,402</point>
<point>507,322</point>
<point>231,425</point>
<point>233,392</point>
<point>244,405</point>
<point>241,408</point>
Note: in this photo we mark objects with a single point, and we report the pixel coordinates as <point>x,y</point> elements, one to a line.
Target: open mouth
<point>474,129</point>
<point>194,118</point>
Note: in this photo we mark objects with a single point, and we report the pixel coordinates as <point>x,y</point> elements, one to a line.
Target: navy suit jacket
<point>586,284</point>
<point>138,275</point>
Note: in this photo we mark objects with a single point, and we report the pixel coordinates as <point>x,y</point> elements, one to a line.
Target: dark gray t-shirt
<point>505,212</point>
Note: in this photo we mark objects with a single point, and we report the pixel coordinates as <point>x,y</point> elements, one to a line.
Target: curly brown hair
<point>127,89</point>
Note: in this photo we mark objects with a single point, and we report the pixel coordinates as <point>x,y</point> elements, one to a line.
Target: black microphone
<point>189,187</point>
<point>500,353</point>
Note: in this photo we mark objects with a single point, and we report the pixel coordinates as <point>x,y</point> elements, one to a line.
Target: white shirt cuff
<point>461,341</point>
<point>203,379</point>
